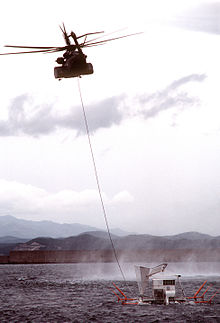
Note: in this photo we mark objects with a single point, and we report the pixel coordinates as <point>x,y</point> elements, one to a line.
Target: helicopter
<point>73,63</point>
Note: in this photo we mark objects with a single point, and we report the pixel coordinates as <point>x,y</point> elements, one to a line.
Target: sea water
<point>82,293</point>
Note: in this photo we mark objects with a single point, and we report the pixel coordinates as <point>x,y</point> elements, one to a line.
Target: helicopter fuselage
<point>65,72</point>
<point>73,62</point>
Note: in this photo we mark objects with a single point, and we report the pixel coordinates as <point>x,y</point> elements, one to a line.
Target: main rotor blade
<point>64,28</point>
<point>84,40</point>
<point>34,51</point>
<point>97,32</point>
<point>65,34</point>
<point>93,45</point>
<point>61,29</point>
<point>105,41</point>
<point>113,32</point>
<point>55,50</point>
<point>31,47</point>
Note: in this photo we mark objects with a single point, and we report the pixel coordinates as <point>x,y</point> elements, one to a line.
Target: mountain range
<point>17,234</point>
<point>26,229</point>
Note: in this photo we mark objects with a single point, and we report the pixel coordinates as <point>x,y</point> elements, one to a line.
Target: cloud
<point>27,118</point>
<point>204,18</point>
<point>24,119</point>
<point>102,114</point>
<point>29,201</point>
<point>171,96</point>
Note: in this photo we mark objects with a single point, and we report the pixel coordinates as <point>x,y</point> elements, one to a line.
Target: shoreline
<point>107,256</point>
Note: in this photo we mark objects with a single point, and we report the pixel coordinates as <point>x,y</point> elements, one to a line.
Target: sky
<point>153,109</point>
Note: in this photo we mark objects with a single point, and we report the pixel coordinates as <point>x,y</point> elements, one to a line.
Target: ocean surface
<point>81,293</point>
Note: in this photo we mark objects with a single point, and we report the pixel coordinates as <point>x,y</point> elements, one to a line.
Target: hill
<point>100,241</point>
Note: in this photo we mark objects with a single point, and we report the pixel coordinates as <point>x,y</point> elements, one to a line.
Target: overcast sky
<point>153,108</point>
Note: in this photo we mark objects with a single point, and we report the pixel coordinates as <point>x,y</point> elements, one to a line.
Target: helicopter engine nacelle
<point>64,72</point>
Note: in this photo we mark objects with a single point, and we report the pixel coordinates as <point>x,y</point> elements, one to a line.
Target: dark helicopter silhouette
<point>73,62</point>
